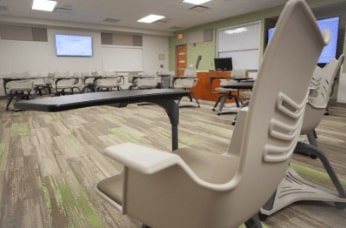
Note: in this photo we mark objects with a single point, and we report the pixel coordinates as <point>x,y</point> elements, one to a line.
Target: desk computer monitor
<point>223,64</point>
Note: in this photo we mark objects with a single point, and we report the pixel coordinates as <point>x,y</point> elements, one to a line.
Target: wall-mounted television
<point>223,64</point>
<point>73,45</point>
<point>329,51</point>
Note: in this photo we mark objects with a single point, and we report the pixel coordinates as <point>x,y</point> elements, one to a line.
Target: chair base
<point>220,103</point>
<point>294,188</point>
<point>192,98</point>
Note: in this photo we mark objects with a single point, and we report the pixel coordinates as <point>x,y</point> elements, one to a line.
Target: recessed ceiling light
<point>150,18</point>
<point>44,5</point>
<point>196,2</point>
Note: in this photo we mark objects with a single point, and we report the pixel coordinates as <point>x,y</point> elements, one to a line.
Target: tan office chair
<point>140,80</point>
<point>237,75</point>
<point>19,88</point>
<point>199,189</point>
<point>109,81</point>
<point>88,79</point>
<point>186,82</point>
<point>293,187</point>
<point>39,81</point>
<point>66,82</point>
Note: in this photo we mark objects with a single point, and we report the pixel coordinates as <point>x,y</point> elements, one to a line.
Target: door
<point>181,59</point>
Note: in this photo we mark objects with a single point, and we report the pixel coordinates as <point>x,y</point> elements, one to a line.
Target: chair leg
<point>222,102</point>
<point>303,149</point>
<point>253,222</point>
<point>9,101</point>
<point>195,97</point>
<point>217,102</point>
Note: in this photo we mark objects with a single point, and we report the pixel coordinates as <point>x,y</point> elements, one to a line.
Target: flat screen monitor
<point>73,45</point>
<point>223,64</point>
<point>329,51</point>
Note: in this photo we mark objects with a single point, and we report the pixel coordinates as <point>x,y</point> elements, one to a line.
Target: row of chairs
<point>29,84</point>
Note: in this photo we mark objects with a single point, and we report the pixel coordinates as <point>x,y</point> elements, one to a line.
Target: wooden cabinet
<point>207,82</point>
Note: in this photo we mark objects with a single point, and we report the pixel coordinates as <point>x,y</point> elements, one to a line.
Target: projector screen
<point>329,51</point>
<point>73,45</point>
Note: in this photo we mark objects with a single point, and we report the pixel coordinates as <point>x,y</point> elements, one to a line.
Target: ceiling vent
<point>199,9</point>
<point>63,9</point>
<point>111,20</point>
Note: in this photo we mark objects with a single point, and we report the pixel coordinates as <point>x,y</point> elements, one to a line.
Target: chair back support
<point>321,86</point>
<point>189,72</point>
<point>266,134</point>
<point>185,83</point>
<point>239,73</point>
<point>146,82</point>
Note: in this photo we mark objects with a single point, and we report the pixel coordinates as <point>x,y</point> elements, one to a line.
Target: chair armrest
<point>149,161</point>
<point>141,158</point>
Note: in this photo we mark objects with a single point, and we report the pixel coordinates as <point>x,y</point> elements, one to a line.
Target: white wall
<point>21,56</point>
<point>155,54</point>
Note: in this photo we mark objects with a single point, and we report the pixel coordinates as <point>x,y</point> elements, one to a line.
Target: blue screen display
<point>73,45</point>
<point>329,51</point>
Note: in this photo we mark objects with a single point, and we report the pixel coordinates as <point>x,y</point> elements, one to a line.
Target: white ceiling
<point>92,13</point>
<point>123,15</point>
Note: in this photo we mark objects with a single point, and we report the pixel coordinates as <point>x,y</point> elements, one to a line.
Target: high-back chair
<point>146,82</point>
<point>186,82</point>
<point>193,189</point>
<point>321,87</point>
<point>237,75</point>
<point>19,88</point>
<point>293,187</point>
<point>109,81</point>
<point>66,82</point>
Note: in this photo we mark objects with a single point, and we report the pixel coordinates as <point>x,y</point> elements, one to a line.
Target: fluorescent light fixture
<point>237,30</point>
<point>196,2</point>
<point>150,18</point>
<point>44,5</point>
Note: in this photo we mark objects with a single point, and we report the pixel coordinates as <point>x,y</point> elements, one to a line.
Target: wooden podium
<point>207,82</point>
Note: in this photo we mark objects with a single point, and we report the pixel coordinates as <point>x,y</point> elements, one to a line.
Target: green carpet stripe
<point>316,176</point>
<point>111,118</point>
<point>125,135</point>
<point>163,132</point>
<point>74,143</point>
<point>47,201</point>
<point>2,152</point>
<point>187,140</point>
<point>52,117</point>
<point>76,206</point>
<point>19,129</point>
<point>215,129</point>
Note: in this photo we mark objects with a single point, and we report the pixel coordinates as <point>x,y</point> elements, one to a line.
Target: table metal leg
<point>172,110</point>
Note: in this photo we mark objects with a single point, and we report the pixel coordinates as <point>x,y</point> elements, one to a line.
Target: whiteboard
<point>119,58</point>
<point>242,46</point>
<point>245,59</point>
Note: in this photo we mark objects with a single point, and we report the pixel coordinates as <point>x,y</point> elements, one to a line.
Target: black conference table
<point>166,98</point>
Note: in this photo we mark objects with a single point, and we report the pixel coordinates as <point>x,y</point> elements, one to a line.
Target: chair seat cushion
<point>112,187</point>
<point>214,168</point>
